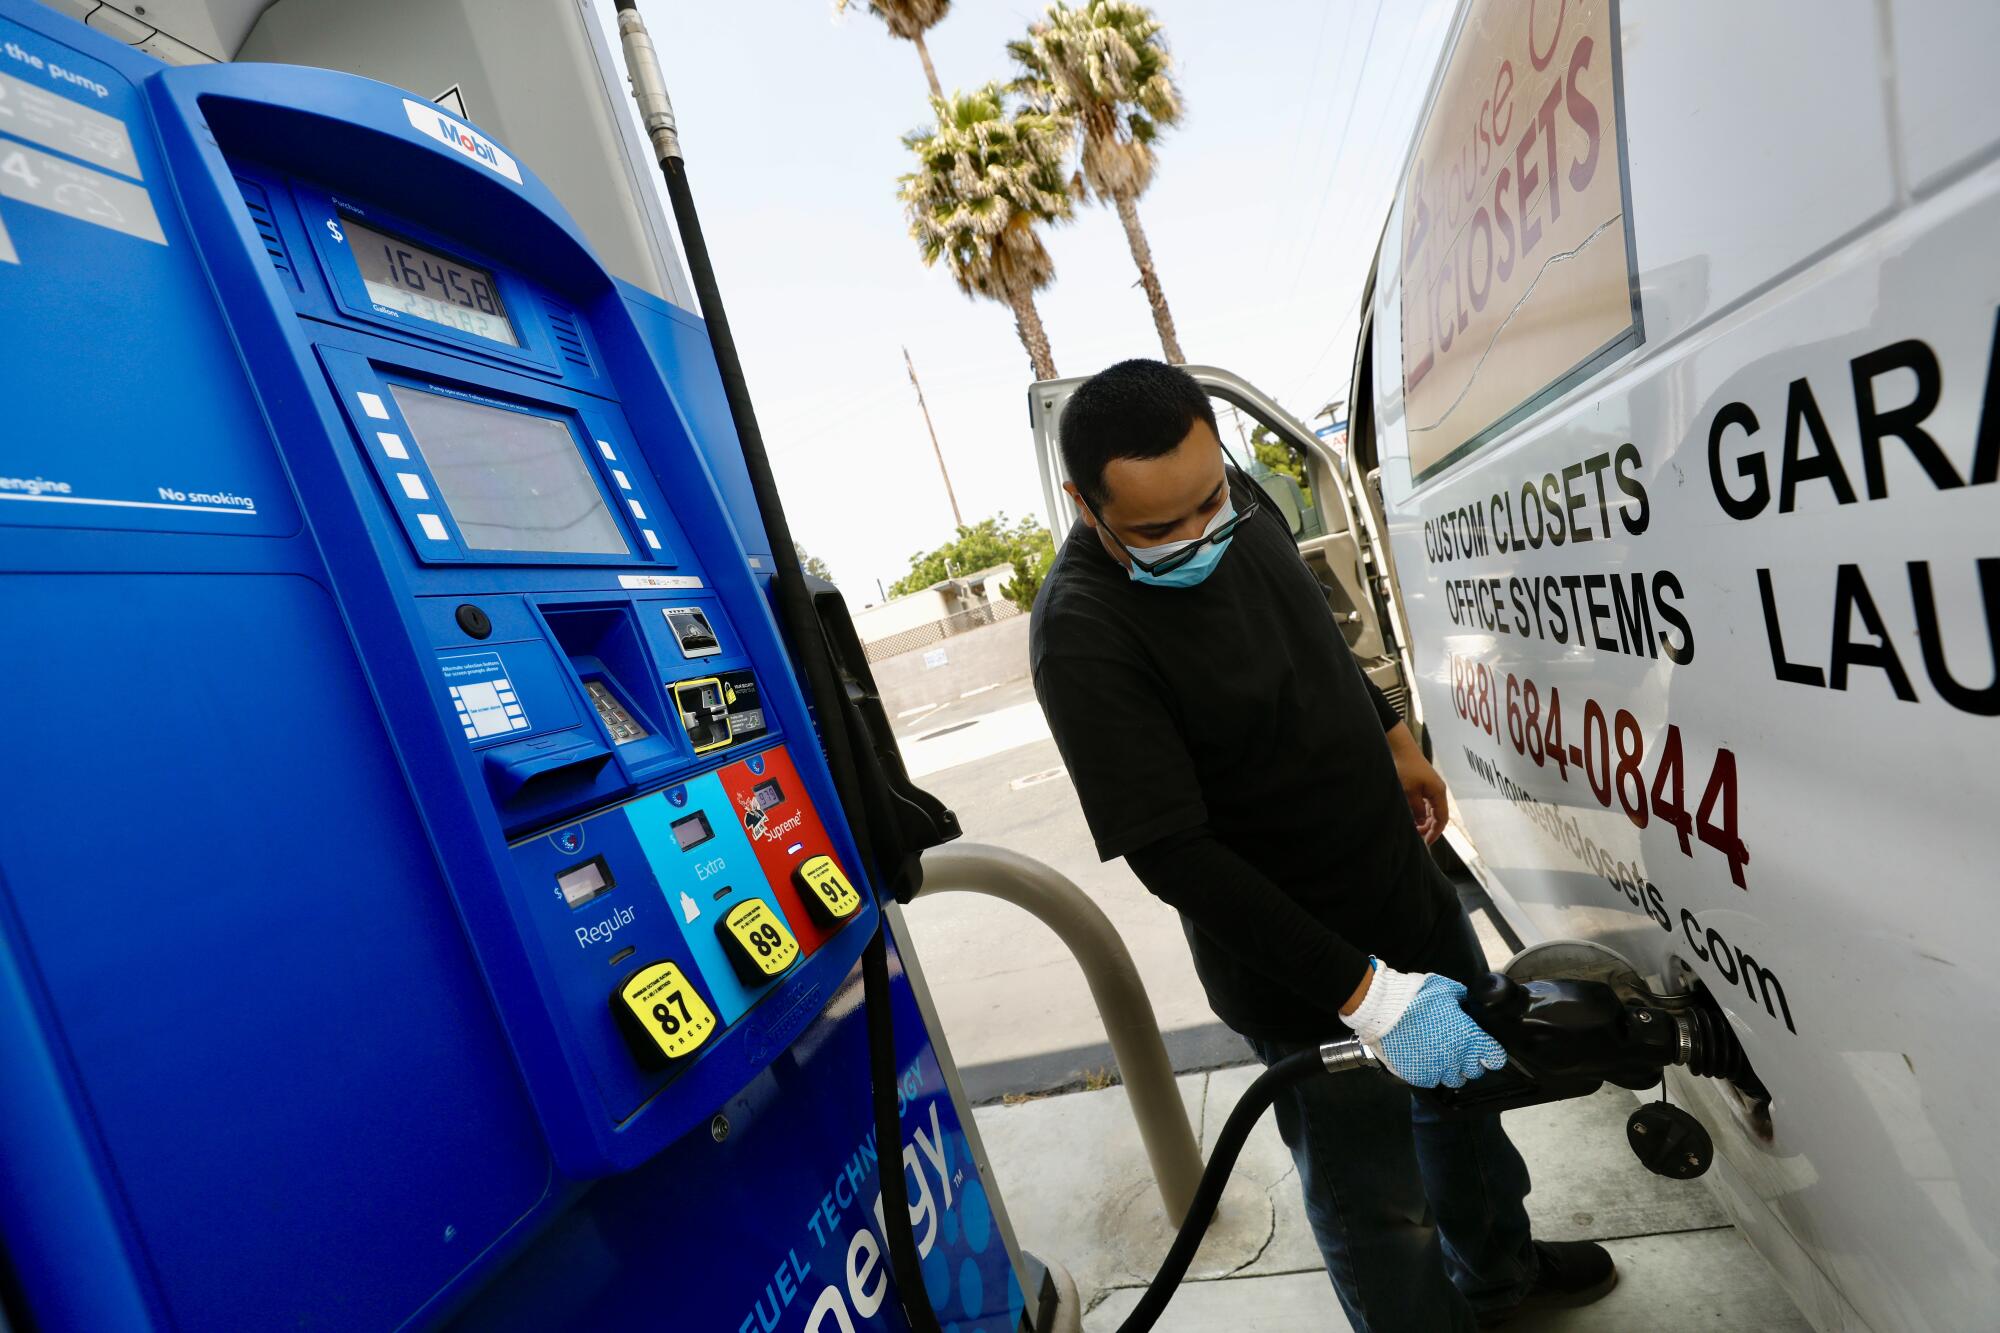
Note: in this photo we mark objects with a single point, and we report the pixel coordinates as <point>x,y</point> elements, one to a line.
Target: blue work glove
<point>1413,1022</point>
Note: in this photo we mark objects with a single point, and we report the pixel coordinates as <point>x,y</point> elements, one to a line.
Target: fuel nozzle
<point>1563,1039</point>
<point>1573,1017</point>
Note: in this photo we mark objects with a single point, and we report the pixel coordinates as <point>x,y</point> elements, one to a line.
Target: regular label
<point>670,1011</point>
<point>38,178</point>
<point>53,121</point>
<point>758,939</point>
<point>827,889</point>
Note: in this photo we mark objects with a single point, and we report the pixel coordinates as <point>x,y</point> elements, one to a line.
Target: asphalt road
<point>1014,1005</point>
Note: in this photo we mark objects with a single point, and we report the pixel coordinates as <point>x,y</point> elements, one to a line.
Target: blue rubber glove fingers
<point>1480,1054</point>
<point>1436,1043</point>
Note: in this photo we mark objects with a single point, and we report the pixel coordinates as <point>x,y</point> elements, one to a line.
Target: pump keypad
<point>827,894</point>
<point>658,1004</point>
<point>757,941</point>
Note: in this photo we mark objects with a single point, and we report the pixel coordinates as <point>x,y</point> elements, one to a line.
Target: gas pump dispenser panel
<point>457,643</point>
<point>487,385</point>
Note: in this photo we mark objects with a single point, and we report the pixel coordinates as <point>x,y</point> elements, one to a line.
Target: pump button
<point>662,1013</point>
<point>474,621</point>
<point>827,894</point>
<point>757,941</point>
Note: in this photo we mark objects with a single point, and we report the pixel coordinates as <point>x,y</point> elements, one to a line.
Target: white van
<point>1675,427</point>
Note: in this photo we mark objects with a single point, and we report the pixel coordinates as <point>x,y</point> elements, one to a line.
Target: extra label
<point>757,940</point>
<point>661,1003</point>
<point>826,890</point>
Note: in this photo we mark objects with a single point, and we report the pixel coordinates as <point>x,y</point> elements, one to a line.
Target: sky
<point>1263,218</point>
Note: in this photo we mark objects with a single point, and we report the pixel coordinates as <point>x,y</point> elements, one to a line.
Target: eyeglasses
<point>1167,564</point>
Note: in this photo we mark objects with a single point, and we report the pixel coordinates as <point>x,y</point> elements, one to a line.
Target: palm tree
<point>1104,66</point>
<point>986,179</point>
<point>909,20</point>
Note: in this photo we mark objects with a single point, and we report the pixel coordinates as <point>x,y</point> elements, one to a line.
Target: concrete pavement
<point>1076,1186</point>
<point>1009,993</point>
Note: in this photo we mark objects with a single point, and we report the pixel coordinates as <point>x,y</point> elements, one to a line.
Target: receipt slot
<point>424,898</point>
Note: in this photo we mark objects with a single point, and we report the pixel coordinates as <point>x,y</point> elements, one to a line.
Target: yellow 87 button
<point>658,1001</point>
<point>757,941</point>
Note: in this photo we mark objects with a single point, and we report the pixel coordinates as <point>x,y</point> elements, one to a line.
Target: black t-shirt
<point>1232,713</point>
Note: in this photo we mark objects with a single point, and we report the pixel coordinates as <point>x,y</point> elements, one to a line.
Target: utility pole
<point>957,519</point>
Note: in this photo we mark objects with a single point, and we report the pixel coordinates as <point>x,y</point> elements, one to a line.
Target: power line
<point>1346,121</point>
<point>1386,103</point>
<point>1298,137</point>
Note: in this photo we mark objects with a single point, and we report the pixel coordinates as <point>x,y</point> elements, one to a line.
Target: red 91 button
<point>826,892</point>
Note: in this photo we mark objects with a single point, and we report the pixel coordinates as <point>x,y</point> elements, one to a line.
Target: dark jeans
<point>1420,1218</point>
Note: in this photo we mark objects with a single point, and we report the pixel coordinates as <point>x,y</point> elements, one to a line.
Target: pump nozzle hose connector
<point>649,85</point>
<point>1337,1057</point>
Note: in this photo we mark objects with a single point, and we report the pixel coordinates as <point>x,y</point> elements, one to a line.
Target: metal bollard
<point>1122,1003</point>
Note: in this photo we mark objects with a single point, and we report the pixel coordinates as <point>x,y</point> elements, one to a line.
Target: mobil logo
<point>467,140</point>
<point>461,138</point>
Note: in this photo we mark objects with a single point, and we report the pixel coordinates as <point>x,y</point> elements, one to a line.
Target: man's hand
<point>1421,783</point>
<point>1413,1022</point>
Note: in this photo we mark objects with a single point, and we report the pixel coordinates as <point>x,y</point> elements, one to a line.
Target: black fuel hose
<point>904,1263</point>
<point>902,1244</point>
<point>1243,1118</point>
<point>796,616</point>
<point>808,645</point>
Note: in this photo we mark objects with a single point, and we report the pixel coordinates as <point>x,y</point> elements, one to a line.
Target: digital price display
<point>405,276</point>
<point>582,884</point>
<point>692,831</point>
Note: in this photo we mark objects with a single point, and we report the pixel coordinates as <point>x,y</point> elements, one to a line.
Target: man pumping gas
<point>1223,741</point>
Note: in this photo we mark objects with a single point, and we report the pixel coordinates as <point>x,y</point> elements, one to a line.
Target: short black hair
<point>1135,409</point>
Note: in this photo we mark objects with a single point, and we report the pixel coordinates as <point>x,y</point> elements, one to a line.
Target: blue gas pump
<point>425,898</point>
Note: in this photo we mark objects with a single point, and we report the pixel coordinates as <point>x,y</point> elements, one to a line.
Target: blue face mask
<point>1198,566</point>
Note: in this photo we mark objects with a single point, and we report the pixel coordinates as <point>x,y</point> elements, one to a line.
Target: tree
<point>909,20</point>
<point>986,178</point>
<point>1026,545</point>
<point>1104,67</point>
<point>812,564</point>
<point>1280,458</point>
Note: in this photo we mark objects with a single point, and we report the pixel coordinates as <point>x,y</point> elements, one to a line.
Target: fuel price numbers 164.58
<point>1608,751</point>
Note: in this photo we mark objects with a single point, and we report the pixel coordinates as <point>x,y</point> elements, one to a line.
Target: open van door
<point>1333,531</point>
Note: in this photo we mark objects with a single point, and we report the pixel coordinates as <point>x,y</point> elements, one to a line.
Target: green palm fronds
<point>987,179</point>
<point>907,19</point>
<point>1105,66</point>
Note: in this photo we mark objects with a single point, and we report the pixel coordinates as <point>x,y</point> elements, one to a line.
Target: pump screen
<point>405,276</point>
<point>768,793</point>
<point>580,884</point>
<point>692,831</point>
<point>514,481</point>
